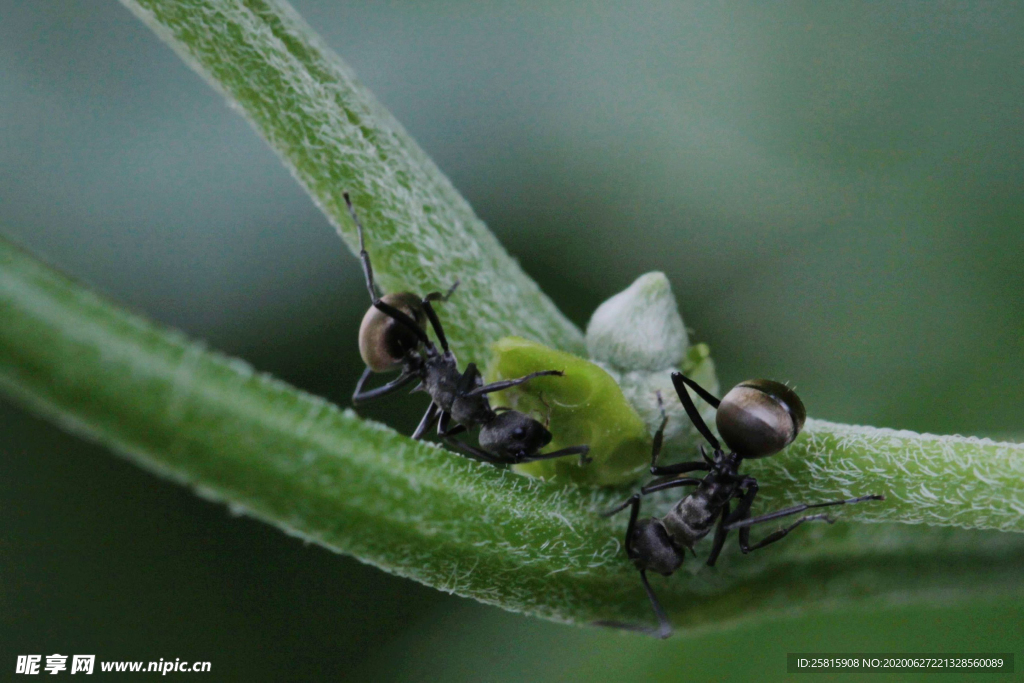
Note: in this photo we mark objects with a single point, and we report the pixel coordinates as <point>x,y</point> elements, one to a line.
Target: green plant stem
<point>927,479</point>
<point>316,471</point>
<point>334,136</point>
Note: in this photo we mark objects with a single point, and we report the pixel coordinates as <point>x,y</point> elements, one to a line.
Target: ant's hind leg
<point>664,625</point>
<point>744,524</point>
<point>796,509</point>
<point>358,396</point>
<point>776,535</point>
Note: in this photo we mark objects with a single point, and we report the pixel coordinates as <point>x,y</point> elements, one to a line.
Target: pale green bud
<point>639,328</point>
<point>638,336</point>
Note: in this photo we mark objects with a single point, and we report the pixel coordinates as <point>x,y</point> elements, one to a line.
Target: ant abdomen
<point>384,343</point>
<point>760,417</point>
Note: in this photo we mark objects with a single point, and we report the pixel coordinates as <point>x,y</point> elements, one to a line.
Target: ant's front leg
<point>474,452</point>
<point>659,438</point>
<point>505,384</point>
<point>571,450</point>
<point>435,322</point>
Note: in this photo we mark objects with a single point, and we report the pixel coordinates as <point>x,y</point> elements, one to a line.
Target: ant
<point>756,419</point>
<point>393,336</point>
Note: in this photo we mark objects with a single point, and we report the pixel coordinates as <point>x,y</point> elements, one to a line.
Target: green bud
<point>585,406</point>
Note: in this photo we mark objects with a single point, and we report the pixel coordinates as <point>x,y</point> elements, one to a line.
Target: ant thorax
<point>441,380</point>
<point>693,517</point>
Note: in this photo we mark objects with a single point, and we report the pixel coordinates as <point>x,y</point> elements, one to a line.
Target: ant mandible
<point>756,419</point>
<point>392,336</point>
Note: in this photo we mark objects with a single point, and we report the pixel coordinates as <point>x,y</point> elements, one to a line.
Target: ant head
<point>653,550</point>
<point>759,417</point>
<point>512,433</point>
<point>384,342</point>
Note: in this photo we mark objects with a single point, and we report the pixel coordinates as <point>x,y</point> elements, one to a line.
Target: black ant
<point>393,337</point>
<point>756,419</point>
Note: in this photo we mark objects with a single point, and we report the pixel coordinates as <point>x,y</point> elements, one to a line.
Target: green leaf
<point>413,509</point>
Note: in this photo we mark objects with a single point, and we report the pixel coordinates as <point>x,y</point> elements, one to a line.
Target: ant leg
<point>362,381</point>
<point>720,534</point>
<point>633,503</point>
<point>679,468</point>
<point>427,422</point>
<point>438,296</point>
<point>659,438</point>
<point>435,322</point>
<point>443,428</point>
<point>743,509</point>
<point>670,484</point>
<point>571,450</point>
<point>680,382</point>
<point>633,500</point>
<point>796,509</point>
<point>359,395</point>
<point>371,286</point>
<point>664,629</point>
<point>505,384</point>
<point>457,429</point>
<point>776,535</point>
<point>664,625</point>
<point>473,452</point>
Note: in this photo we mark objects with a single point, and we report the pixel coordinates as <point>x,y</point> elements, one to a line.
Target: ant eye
<point>518,432</point>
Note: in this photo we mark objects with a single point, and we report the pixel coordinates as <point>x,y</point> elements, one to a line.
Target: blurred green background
<point>834,190</point>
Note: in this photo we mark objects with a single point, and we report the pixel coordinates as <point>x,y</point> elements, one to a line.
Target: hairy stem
<point>314,470</point>
<point>927,479</point>
<point>334,136</point>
